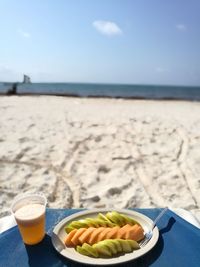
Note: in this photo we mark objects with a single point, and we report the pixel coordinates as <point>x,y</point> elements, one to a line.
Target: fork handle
<point>159,216</point>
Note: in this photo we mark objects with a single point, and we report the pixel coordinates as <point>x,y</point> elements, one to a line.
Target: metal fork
<point>149,234</point>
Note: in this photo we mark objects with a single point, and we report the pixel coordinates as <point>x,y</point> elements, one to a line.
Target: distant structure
<point>27,79</point>
<point>12,90</point>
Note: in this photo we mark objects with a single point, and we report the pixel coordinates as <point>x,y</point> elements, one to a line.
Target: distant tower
<point>27,79</point>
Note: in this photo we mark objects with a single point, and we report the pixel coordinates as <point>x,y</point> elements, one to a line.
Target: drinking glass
<point>29,212</point>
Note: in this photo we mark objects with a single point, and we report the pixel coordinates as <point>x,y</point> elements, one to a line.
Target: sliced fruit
<point>121,234</point>
<point>91,222</point>
<point>84,237</point>
<point>101,222</point>
<point>68,240</point>
<point>90,250</point>
<point>131,232</point>
<point>111,245</point>
<point>136,233</point>
<point>102,249</point>
<point>118,245</point>
<point>129,220</point>
<point>77,224</point>
<point>108,247</point>
<point>134,244</point>
<point>113,218</point>
<point>103,217</point>
<point>75,238</point>
<point>68,229</point>
<point>120,218</point>
<point>83,251</point>
<point>126,247</point>
<point>94,235</point>
<point>103,234</point>
<point>112,233</point>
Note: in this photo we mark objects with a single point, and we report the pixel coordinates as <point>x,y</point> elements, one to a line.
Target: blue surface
<point>112,90</point>
<point>5,87</point>
<point>178,245</point>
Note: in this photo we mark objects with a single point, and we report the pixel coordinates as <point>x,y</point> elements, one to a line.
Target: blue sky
<point>114,41</point>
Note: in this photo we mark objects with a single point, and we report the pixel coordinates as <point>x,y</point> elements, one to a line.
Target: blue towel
<point>178,245</point>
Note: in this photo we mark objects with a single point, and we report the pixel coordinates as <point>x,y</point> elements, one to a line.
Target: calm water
<point>108,90</point>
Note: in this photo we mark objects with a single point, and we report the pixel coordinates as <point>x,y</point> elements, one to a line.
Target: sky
<point>101,41</point>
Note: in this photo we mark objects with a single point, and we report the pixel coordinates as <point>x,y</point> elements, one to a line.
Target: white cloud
<point>24,33</point>
<point>181,27</point>
<point>107,27</point>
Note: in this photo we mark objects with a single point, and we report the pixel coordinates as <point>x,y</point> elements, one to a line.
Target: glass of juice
<point>29,211</point>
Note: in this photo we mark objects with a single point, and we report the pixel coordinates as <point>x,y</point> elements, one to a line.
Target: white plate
<point>59,235</point>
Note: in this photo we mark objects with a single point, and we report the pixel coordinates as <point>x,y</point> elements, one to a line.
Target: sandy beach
<point>96,153</point>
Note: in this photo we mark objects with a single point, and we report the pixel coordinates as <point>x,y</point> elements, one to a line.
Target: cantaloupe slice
<point>68,240</point>
<point>112,233</point>
<point>75,238</point>
<point>136,233</point>
<point>84,237</point>
<point>122,231</point>
<point>94,235</point>
<point>102,235</point>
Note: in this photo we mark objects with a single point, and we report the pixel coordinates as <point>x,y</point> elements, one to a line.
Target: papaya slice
<point>102,234</point>
<point>75,238</point>
<point>68,240</point>
<point>84,237</point>
<point>94,235</point>
<point>136,233</point>
<point>112,233</point>
<point>123,231</point>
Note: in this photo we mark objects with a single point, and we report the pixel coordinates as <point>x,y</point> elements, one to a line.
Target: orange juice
<point>29,211</point>
<point>31,223</point>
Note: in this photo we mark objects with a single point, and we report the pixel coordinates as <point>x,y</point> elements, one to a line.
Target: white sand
<point>100,152</point>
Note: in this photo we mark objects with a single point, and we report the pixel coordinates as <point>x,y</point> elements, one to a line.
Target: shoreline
<point>103,90</point>
<point>100,152</point>
<point>101,97</point>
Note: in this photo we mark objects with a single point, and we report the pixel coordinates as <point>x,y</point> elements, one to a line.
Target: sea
<point>132,91</point>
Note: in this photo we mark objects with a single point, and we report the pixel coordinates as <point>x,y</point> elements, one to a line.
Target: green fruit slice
<point>82,251</point>
<point>129,220</point>
<point>68,229</point>
<point>102,249</point>
<point>90,250</point>
<point>134,244</point>
<point>112,218</point>
<point>100,222</point>
<point>118,245</point>
<point>119,217</point>
<point>103,217</point>
<point>109,243</point>
<point>126,247</point>
<point>91,222</point>
<point>77,224</point>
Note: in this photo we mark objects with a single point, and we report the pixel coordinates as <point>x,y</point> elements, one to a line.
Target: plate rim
<point>113,261</point>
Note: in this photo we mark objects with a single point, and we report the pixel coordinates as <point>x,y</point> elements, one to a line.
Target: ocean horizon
<point>110,90</point>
